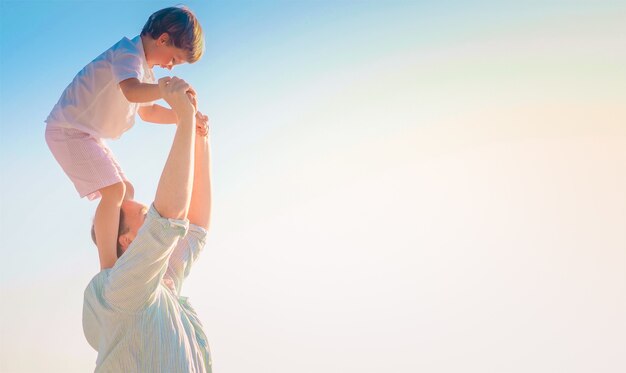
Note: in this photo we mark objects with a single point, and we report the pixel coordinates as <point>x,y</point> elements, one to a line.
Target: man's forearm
<point>200,205</point>
<point>174,191</point>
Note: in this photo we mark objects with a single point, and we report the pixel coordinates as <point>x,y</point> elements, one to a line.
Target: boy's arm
<point>157,114</point>
<point>138,92</point>
<point>135,91</point>
<point>161,115</point>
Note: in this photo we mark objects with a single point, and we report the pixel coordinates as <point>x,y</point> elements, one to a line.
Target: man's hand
<point>179,95</point>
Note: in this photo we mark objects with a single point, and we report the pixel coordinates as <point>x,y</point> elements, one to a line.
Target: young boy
<point>101,103</point>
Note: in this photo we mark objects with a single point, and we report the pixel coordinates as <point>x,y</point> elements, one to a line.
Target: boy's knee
<point>114,191</point>
<point>130,190</point>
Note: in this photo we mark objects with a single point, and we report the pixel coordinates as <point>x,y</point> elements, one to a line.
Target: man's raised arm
<point>200,206</point>
<point>174,191</point>
<point>135,277</point>
<point>189,247</point>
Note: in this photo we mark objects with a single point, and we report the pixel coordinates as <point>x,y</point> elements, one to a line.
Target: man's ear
<point>124,240</point>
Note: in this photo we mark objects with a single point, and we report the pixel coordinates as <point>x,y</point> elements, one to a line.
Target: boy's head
<point>174,36</point>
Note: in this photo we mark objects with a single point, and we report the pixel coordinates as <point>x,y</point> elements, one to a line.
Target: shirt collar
<point>137,42</point>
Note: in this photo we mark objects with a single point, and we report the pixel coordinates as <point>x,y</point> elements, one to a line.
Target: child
<point>101,103</point>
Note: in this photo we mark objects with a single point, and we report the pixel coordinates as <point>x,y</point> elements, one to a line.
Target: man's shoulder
<point>94,306</point>
<point>95,299</point>
<point>97,283</point>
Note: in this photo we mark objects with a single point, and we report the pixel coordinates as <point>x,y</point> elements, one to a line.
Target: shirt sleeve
<point>133,282</point>
<point>148,77</point>
<point>126,65</point>
<point>185,254</point>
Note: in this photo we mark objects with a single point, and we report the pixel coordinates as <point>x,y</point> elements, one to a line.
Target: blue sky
<point>432,186</point>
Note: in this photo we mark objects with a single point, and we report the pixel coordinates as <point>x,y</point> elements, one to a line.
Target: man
<point>133,314</point>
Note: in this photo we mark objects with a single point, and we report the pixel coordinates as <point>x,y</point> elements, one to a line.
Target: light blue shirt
<point>137,323</point>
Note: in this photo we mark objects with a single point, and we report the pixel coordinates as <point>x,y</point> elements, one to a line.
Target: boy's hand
<point>202,124</point>
<point>163,82</point>
<point>177,93</point>
<point>202,121</point>
<point>194,100</point>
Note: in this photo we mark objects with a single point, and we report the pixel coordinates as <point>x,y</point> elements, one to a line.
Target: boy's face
<point>164,55</point>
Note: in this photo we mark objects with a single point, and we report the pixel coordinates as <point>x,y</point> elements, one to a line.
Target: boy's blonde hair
<point>183,28</point>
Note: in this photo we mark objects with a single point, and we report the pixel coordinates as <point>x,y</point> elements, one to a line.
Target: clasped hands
<point>171,87</point>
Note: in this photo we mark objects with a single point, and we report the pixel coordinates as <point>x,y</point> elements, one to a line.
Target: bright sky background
<point>399,186</point>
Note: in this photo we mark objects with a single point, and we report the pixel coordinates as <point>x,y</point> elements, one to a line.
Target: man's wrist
<point>186,119</point>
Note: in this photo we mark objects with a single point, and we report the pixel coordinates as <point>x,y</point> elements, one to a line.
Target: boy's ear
<point>163,39</point>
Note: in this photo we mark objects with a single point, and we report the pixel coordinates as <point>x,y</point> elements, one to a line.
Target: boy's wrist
<point>160,89</point>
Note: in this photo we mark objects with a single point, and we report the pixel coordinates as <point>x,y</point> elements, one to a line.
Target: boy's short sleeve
<point>127,65</point>
<point>148,78</point>
<point>128,61</point>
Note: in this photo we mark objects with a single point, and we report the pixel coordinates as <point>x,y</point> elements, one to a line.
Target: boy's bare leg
<point>106,223</point>
<point>129,193</point>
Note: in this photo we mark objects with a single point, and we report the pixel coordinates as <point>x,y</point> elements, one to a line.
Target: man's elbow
<point>167,210</point>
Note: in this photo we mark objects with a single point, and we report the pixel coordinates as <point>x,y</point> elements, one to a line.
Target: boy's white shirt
<point>94,102</point>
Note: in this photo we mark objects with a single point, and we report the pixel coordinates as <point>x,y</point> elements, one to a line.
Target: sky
<point>399,186</point>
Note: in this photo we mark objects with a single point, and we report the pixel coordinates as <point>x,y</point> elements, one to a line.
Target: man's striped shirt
<point>133,319</point>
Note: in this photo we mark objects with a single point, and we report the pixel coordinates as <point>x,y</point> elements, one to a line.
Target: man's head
<point>174,36</point>
<point>132,216</point>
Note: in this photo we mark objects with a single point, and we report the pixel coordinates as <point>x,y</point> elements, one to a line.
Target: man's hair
<point>183,28</point>
<point>123,229</point>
